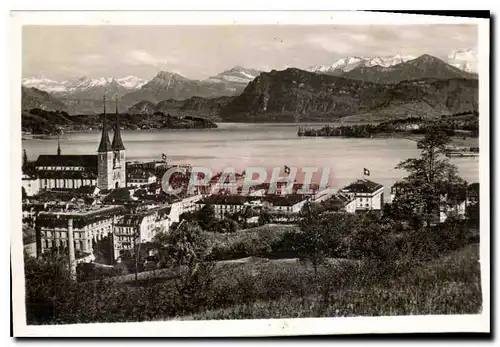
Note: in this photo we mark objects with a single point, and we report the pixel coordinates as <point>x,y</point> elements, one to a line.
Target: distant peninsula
<point>42,122</point>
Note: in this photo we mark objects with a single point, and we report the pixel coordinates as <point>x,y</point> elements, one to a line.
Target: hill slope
<point>35,98</point>
<point>208,108</point>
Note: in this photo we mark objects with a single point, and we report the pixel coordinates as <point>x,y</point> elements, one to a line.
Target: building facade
<point>184,205</point>
<point>66,171</point>
<point>367,194</point>
<point>88,226</point>
<point>139,178</point>
<point>292,203</point>
<point>227,204</point>
<point>141,226</point>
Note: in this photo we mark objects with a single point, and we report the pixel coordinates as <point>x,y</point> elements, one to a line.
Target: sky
<point>63,52</point>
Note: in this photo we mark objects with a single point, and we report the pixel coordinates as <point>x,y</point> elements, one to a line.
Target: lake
<point>241,145</point>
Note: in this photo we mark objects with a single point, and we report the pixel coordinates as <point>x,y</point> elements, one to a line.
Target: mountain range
<point>348,63</point>
<point>84,86</point>
<point>391,87</point>
<point>132,89</point>
<point>295,95</point>
<point>465,59</point>
<point>425,66</point>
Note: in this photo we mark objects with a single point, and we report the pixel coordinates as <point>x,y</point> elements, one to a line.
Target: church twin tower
<point>111,156</point>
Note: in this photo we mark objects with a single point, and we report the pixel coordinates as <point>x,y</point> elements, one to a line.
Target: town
<point>73,202</point>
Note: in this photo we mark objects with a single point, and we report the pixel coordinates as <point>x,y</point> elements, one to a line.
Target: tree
<point>160,241</point>
<point>46,281</point>
<point>206,216</point>
<point>25,161</point>
<point>431,180</point>
<point>473,216</point>
<point>103,250</point>
<point>312,243</point>
<point>188,250</point>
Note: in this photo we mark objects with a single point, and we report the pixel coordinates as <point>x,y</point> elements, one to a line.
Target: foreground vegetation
<point>448,285</point>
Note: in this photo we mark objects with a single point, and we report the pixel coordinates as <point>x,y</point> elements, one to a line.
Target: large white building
<point>367,194</point>
<point>227,204</point>
<point>184,205</point>
<point>292,203</point>
<point>89,224</point>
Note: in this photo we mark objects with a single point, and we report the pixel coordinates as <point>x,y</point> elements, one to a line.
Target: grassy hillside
<point>449,285</point>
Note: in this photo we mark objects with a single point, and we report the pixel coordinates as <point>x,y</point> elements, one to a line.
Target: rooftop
<point>284,200</point>
<point>227,199</point>
<point>336,202</point>
<point>87,161</point>
<point>82,217</point>
<point>363,186</point>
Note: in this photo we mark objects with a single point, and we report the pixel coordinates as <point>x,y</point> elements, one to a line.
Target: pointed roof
<point>104,145</point>
<point>117,138</point>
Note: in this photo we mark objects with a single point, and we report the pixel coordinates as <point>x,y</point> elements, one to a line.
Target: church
<point>106,170</point>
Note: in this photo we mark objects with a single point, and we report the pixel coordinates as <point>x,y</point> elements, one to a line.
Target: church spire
<point>117,138</point>
<point>104,145</point>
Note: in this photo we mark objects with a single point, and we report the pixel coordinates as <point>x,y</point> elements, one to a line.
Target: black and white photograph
<point>258,175</point>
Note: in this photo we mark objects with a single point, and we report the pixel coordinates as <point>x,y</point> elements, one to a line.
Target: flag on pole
<point>163,156</point>
<point>366,172</point>
<point>287,169</point>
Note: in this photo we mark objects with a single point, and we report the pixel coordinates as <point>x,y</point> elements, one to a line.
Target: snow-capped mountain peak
<point>464,59</point>
<point>44,84</point>
<point>83,84</point>
<point>131,82</point>
<point>237,74</point>
<point>350,63</point>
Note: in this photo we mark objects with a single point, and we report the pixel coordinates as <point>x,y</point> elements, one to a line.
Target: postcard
<point>251,173</point>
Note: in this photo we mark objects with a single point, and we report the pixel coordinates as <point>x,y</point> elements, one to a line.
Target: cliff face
<point>143,107</point>
<point>297,95</point>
